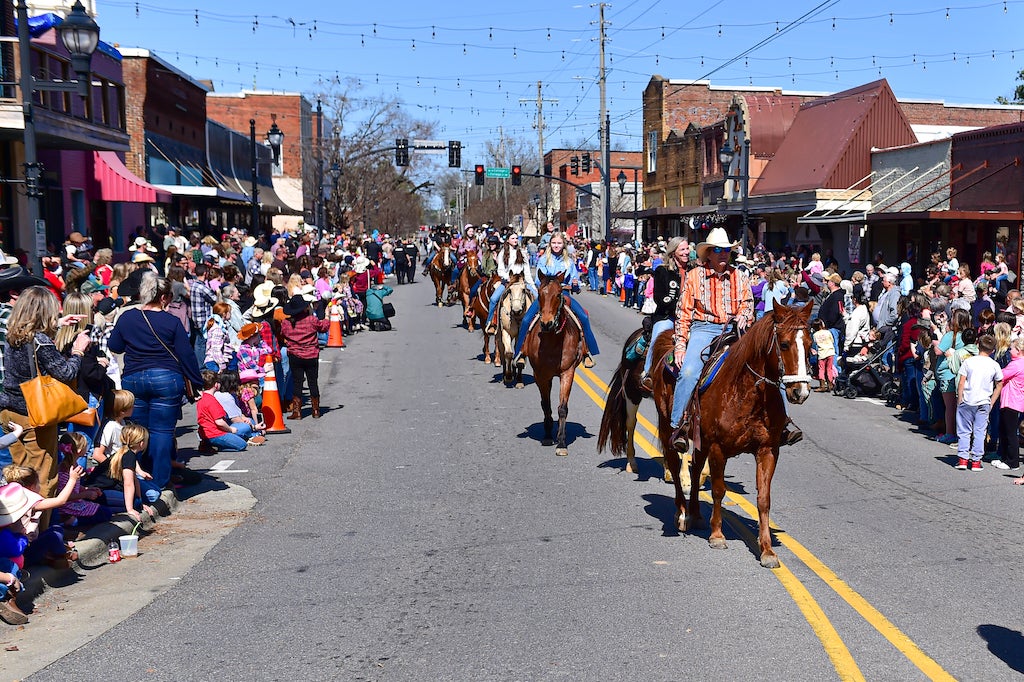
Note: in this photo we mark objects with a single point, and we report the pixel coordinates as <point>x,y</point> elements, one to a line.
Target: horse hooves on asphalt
<point>547,442</point>
<point>717,543</point>
<point>562,452</point>
<point>770,561</point>
<point>520,385</point>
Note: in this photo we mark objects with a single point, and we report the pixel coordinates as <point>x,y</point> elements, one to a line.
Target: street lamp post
<point>275,137</point>
<point>80,35</point>
<point>726,156</point>
<point>621,179</point>
<point>319,164</point>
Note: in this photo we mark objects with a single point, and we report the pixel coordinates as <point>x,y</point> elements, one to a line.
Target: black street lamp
<point>621,179</point>
<point>275,137</point>
<point>726,156</point>
<point>80,35</point>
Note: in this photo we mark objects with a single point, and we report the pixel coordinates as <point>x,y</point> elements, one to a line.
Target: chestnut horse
<point>479,305</point>
<point>467,278</point>
<point>554,346</point>
<point>510,311</point>
<point>741,411</point>
<point>441,273</point>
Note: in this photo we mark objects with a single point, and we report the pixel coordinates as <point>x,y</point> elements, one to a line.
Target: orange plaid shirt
<point>711,297</point>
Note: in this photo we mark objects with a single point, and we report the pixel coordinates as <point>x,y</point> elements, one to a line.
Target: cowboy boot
<point>296,409</point>
<point>315,402</point>
<point>791,434</point>
<point>646,383</point>
<point>492,326</point>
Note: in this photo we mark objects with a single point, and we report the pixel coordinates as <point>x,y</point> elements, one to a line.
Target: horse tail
<point>613,421</point>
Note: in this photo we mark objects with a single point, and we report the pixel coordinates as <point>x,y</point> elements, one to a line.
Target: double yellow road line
<point>837,651</point>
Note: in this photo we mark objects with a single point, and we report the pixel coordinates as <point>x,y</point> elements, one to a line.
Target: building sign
<point>855,244</point>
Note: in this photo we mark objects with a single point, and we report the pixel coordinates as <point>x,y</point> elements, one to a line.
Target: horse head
<point>517,298</point>
<point>473,264</point>
<point>550,301</point>
<point>793,337</point>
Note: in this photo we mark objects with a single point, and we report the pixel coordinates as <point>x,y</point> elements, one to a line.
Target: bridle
<point>784,379</point>
<point>560,316</point>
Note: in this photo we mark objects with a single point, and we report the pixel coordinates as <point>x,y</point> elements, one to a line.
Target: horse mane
<point>757,339</point>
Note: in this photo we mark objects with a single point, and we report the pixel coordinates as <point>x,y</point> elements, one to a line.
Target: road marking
<point>224,467</point>
<point>871,615</point>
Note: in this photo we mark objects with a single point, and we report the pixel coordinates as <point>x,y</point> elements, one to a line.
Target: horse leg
<point>631,410</point>
<point>766,459</point>
<point>698,462</point>
<point>717,461</point>
<point>672,464</point>
<point>544,386</point>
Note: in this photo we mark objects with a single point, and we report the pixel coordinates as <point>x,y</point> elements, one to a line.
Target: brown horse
<point>554,346</point>
<point>441,273</point>
<point>511,308</point>
<point>741,411</point>
<point>467,278</point>
<point>478,306</point>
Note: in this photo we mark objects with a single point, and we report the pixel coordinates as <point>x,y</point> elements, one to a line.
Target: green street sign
<point>497,173</point>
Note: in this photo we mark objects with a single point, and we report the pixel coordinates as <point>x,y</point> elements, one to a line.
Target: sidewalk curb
<point>92,551</point>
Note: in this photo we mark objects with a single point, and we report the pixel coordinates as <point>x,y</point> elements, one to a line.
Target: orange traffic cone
<point>335,339</point>
<point>622,294</point>
<point>273,417</point>
<point>608,289</point>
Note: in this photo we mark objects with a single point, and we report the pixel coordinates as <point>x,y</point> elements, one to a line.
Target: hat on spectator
<point>16,279</point>
<point>209,240</point>
<point>140,257</point>
<point>295,305</point>
<point>129,288</point>
<point>307,292</point>
<point>718,237</point>
<point>818,279</point>
<point>360,264</point>
<point>249,241</point>
<point>7,260</point>
<point>142,242</point>
<point>893,270</point>
<point>14,503</point>
<point>248,331</point>
<point>93,286</point>
<point>264,299</point>
<point>106,306</point>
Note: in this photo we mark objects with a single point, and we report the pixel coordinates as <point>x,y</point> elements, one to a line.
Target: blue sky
<point>467,65</point>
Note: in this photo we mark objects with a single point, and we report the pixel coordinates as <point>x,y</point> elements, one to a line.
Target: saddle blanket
<point>707,375</point>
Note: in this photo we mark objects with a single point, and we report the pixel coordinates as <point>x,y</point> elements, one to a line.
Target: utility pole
<point>606,154</point>
<point>540,125</point>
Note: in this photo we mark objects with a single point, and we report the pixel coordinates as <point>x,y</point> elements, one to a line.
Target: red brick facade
<point>558,160</point>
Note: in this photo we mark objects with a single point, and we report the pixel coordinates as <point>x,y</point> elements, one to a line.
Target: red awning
<point>117,183</point>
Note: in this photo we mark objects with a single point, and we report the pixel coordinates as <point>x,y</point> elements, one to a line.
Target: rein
<point>785,379</point>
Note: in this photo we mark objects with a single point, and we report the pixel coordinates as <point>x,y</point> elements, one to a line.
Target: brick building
<point>565,203</point>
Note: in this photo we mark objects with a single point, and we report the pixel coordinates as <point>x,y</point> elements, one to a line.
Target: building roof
<point>829,143</point>
<point>139,53</point>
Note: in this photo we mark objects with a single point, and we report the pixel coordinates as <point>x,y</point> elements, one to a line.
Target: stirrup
<point>519,360</point>
<point>588,361</point>
<point>680,441</point>
<point>491,329</point>
<point>646,383</point>
<point>791,434</point>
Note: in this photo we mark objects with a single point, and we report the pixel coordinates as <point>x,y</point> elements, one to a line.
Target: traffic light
<point>478,174</point>
<point>574,165</point>
<point>585,163</point>
<point>454,154</point>
<point>517,175</point>
<point>402,152</point>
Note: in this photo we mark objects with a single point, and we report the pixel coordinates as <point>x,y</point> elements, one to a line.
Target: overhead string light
<point>136,10</point>
<point>255,23</point>
<point>196,15</point>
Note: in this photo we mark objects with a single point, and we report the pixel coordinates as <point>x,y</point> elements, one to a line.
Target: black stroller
<point>867,375</point>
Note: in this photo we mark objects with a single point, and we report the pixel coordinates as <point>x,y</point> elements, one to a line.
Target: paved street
<point>420,531</point>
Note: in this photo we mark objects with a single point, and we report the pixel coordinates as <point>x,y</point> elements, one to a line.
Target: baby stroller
<point>867,375</point>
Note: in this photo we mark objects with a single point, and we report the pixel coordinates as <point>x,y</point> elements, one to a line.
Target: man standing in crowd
<point>202,299</point>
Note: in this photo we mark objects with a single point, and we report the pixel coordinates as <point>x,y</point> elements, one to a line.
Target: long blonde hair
<point>36,310</point>
<point>565,248</point>
<point>76,303</point>
<point>133,437</point>
<point>1003,333</point>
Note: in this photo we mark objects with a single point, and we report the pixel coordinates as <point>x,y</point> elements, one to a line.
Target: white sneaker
<point>999,464</point>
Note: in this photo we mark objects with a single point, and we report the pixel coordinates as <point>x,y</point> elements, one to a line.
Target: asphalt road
<point>420,531</point>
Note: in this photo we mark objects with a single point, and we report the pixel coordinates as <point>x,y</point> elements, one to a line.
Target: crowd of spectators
<point>138,335</point>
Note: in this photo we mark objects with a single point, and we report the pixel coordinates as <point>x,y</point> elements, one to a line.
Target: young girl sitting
<point>15,511</point>
<point>35,546</point>
<point>250,396</point>
<point>120,479</point>
<point>110,437</point>
<point>252,349</point>
<point>227,396</point>
<point>82,508</point>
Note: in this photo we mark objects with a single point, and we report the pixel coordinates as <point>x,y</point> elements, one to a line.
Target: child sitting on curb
<point>213,420</point>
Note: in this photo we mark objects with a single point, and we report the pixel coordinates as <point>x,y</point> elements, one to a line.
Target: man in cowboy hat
<point>714,293</point>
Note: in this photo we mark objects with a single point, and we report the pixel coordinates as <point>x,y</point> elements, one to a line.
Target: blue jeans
<point>531,313</point>
<point>701,336</point>
<point>595,279</point>
<point>971,421</point>
<point>8,566</point>
<point>838,347</point>
<point>199,345</point>
<point>910,391</point>
<point>115,496</point>
<point>158,394</point>
<point>499,289</point>
<point>658,328</point>
<point>229,442</point>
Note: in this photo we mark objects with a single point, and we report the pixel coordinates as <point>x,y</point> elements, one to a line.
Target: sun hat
<point>263,297</point>
<point>249,241</point>
<point>307,292</point>
<point>142,242</point>
<point>93,286</point>
<point>360,264</point>
<point>7,260</point>
<point>717,237</point>
<point>140,257</point>
<point>295,305</point>
<point>248,331</point>
<point>14,503</point>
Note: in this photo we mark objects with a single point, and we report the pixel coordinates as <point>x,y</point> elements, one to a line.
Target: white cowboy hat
<point>718,237</point>
<point>263,298</point>
<point>140,257</point>
<point>307,292</point>
<point>360,264</point>
<point>141,242</point>
<point>249,241</point>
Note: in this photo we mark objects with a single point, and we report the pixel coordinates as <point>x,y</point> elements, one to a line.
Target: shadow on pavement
<point>646,468</point>
<point>573,430</point>
<point>1005,644</point>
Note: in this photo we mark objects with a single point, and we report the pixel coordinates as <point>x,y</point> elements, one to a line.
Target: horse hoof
<point>562,452</point>
<point>520,385</point>
<point>770,560</point>
<point>717,543</point>
<point>630,469</point>
<point>547,442</point>
<point>684,523</point>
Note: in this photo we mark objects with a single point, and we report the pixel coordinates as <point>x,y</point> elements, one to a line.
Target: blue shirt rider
<point>557,261</point>
<point>512,260</point>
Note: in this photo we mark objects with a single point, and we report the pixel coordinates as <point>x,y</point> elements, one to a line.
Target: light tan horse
<point>511,308</point>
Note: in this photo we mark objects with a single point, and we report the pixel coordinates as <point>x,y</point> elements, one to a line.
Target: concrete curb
<point>92,551</point>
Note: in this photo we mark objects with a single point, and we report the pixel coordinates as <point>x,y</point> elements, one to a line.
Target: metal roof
<point>829,143</point>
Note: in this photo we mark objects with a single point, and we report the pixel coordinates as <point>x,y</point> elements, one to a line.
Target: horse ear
<point>806,312</point>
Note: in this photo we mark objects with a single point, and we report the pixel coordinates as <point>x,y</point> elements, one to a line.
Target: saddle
<point>714,357</point>
<point>570,315</point>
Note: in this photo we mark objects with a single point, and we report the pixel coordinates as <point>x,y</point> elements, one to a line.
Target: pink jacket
<point>1012,395</point>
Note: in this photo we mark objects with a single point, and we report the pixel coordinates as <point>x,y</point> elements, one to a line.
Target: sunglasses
<point>721,249</point>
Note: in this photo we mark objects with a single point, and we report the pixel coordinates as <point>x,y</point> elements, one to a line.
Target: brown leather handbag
<point>49,400</point>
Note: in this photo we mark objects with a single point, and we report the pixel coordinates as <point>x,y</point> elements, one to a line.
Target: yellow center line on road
<point>873,616</point>
<point>835,648</point>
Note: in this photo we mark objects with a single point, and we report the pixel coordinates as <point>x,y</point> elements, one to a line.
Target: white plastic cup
<point>129,545</point>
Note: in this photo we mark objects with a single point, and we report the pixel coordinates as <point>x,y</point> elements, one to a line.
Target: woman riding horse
<point>714,293</point>
<point>557,262</point>
<point>667,286</point>
<point>512,260</point>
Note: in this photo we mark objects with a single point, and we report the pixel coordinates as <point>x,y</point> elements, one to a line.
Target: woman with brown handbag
<point>28,352</point>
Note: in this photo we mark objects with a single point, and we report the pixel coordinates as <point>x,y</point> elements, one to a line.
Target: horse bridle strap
<point>785,379</point>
